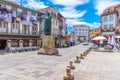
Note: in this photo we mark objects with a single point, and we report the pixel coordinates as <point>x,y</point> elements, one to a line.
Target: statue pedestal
<point>48,45</point>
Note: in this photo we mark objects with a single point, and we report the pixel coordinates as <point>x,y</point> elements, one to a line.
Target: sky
<point>75,11</point>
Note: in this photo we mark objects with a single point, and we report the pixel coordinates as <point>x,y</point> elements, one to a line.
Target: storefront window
<point>34,42</point>
<point>15,43</point>
<point>0,24</point>
<point>26,43</point>
<point>5,24</point>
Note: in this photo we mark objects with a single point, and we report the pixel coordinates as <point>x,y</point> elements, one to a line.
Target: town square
<point>59,40</point>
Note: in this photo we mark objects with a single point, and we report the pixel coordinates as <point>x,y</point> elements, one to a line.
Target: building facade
<point>110,21</point>
<point>57,26</point>
<point>95,32</point>
<point>71,37</point>
<point>81,32</point>
<point>19,26</point>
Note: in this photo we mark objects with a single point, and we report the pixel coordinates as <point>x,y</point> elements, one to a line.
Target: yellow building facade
<point>94,33</point>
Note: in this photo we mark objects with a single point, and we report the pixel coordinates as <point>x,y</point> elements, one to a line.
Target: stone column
<point>20,43</point>
<point>30,43</point>
<point>8,43</point>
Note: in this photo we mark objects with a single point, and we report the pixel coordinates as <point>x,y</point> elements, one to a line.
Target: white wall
<point>108,23</point>
<point>108,33</point>
<point>81,32</point>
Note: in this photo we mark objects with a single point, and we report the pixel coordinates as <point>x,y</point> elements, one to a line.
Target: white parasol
<point>99,38</point>
<point>117,36</point>
<point>109,40</point>
<point>112,41</point>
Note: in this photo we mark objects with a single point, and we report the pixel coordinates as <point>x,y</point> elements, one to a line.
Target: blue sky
<point>75,11</point>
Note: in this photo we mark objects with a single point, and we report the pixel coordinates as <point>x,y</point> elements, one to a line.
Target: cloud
<point>33,4</point>
<point>72,13</point>
<point>77,21</point>
<point>100,5</point>
<point>69,3</point>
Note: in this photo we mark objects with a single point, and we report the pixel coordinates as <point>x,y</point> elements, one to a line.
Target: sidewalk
<point>99,66</point>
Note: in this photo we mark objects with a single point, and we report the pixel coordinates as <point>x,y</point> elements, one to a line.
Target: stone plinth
<point>48,45</point>
<point>48,51</point>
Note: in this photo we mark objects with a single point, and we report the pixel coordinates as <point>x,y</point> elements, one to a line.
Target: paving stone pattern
<point>99,66</point>
<point>31,66</point>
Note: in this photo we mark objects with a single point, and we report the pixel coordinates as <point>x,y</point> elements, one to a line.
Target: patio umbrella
<point>99,38</point>
<point>117,36</point>
<point>112,41</point>
<point>109,40</point>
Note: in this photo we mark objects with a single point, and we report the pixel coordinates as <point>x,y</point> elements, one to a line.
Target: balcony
<point>34,32</point>
<point>40,17</point>
<point>15,31</point>
<point>108,30</point>
<point>3,29</point>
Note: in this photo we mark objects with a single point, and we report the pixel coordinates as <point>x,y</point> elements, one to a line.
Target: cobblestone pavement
<point>99,66</point>
<point>30,66</point>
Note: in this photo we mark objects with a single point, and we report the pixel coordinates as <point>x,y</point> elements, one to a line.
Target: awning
<point>19,37</point>
<point>117,36</point>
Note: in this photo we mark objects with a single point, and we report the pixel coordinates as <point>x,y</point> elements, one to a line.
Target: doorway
<point>2,44</point>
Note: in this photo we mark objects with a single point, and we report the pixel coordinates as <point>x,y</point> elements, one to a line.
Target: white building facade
<point>110,24</point>
<point>81,32</point>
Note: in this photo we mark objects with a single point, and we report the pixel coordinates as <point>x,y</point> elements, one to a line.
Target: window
<point>25,29</point>
<point>83,29</point>
<point>3,5</point>
<point>13,25</point>
<point>14,8</point>
<point>105,26</point>
<point>111,26</point>
<point>106,11</point>
<point>17,25</point>
<point>76,33</point>
<point>105,19</point>
<point>33,14</point>
<point>5,24</point>
<point>34,30</point>
<point>79,33</point>
<point>79,29</point>
<point>76,29</point>
<point>47,14</point>
<point>86,29</point>
<point>83,33</point>
<point>111,18</point>
<point>24,11</point>
<point>0,24</point>
<point>112,10</point>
